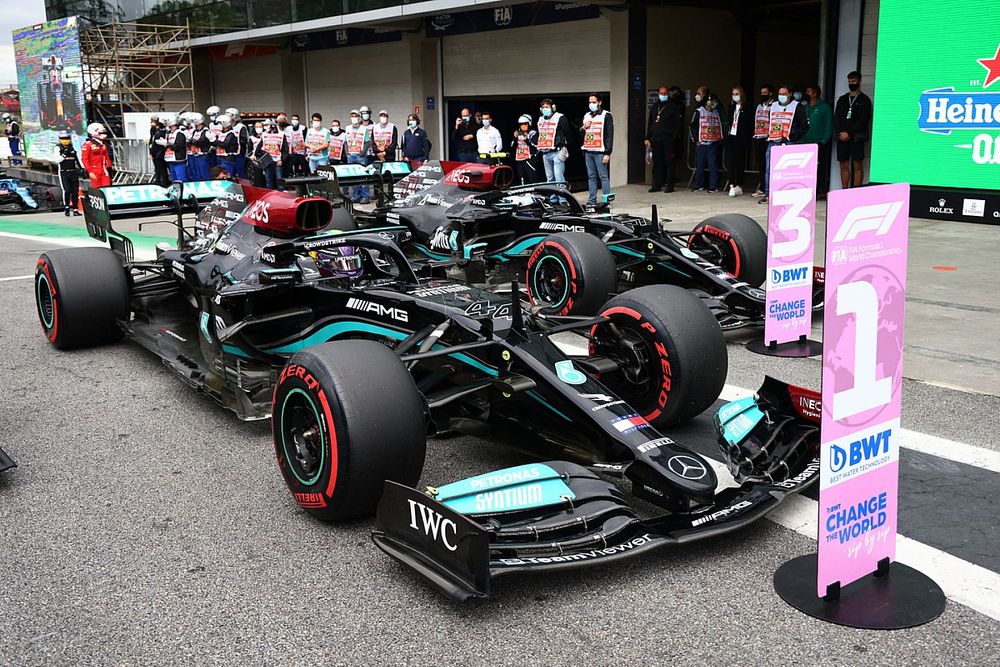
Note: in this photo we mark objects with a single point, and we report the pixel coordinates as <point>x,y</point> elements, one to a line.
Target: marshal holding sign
<point>866,249</point>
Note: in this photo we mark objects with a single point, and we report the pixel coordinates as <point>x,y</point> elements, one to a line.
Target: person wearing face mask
<point>175,154</point>
<point>243,136</point>
<point>416,144</point>
<point>553,131</point>
<point>366,115</point>
<point>798,94</point>
<point>227,144</point>
<point>707,130</point>
<point>282,120</point>
<point>212,124</point>
<point>317,143</point>
<point>359,149</point>
<point>488,139</point>
<point>665,118</point>
<point>338,138</point>
<point>701,96</point>
<point>787,124</point>
<point>95,157</point>
<point>598,132</point>
<point>255,168</point>
<point>385,138</point>
<point>851,121</point>
<point>820,132</point>
<point>296,163</point>
<point>525,151</point>
<point>463,138</point>
<point>199,147</point>
<point>68,163</point>
<point>268,152</point>
<point>761,118</point>
<point>161,176</point>
<point>738,140</point>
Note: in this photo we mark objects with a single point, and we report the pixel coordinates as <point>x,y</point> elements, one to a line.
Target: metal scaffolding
<point>136,67</point>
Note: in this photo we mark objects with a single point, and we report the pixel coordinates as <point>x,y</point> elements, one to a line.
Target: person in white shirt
<point>488,139</point>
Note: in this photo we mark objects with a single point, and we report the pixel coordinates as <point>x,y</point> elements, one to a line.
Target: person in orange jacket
<point>95,156</point>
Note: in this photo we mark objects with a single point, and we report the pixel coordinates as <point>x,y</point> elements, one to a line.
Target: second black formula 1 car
<point>356,360</point>
<point>569,257</point>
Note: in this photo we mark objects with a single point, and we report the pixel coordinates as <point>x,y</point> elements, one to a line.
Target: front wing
<point>558,515</point>
<point>6,463</point>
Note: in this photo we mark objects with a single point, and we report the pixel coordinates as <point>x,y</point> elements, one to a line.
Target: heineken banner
<point>866,246</point>
<point>937,97</point>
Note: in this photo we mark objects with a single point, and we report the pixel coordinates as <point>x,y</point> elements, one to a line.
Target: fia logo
<point>341,37</point>
<point>502,15</point>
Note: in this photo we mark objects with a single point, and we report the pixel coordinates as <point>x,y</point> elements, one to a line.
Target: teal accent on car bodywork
<point>738,418</point>
<point>509,490</point>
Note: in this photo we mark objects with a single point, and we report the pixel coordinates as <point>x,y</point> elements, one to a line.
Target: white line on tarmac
<point>959,452</point>
<point>140,254</point>
<point>3,280</point>
<point>969,584</point>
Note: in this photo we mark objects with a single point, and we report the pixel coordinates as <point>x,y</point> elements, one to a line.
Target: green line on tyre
<point>323,438</point>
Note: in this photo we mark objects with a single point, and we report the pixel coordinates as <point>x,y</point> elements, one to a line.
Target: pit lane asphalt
<point>146,525</point>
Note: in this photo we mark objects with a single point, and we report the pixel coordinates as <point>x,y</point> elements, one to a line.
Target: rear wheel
<point>345,418</point>
<point>81,294</point>
<point>734,242</point>
<point>570,273</point>
<point>672,348</point>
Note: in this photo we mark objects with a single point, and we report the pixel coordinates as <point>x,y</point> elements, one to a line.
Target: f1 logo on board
<point>433,524</point>
<point>877,217</point>
<point>789,160</point>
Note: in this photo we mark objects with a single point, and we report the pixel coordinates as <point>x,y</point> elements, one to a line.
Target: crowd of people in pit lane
<point>786,115</point>
<point>191,146</point>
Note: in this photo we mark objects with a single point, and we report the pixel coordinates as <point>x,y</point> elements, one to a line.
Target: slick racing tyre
<point>346,417</point>
<point>80,295</point>
<point>673,354</point>
<point>734,242</point>
<point>570,273</point>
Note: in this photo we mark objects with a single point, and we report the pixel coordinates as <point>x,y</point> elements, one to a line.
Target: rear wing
<point>119,202</point>
<point>380,175</point>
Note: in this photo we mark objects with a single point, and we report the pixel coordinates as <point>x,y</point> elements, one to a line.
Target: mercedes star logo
<point>687,467</point>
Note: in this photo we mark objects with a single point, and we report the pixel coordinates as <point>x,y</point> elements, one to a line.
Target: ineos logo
<point>687,467</point>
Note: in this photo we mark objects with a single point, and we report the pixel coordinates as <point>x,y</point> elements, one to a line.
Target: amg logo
<point>433,524</point>
<point>721,513</point>
<point>562,227</point>
<point>378,309</point>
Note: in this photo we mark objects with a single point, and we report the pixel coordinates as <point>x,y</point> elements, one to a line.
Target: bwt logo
<point>800,159</point>
<point>877,217</point>
<point>860,450</point>
<point>788,275</point>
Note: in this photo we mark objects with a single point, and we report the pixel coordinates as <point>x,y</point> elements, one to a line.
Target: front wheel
<point>345,418</point>
<point>671,349</point>
<point>736,243</point>
<point>570,273</point>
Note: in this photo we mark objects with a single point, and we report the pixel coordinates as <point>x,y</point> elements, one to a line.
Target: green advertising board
<point>937,94</point>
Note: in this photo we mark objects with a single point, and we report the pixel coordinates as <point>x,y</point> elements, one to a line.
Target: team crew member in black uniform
<point>156,151</point>
<point>851,122</point>
<point>464,137</point>
<point>738,136</point>
<point>665,117</point>
<point>761,119</point>
<point>66,158</point>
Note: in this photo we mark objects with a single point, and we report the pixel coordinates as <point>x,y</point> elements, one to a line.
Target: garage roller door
<point>558,58</point>
<point>338,80</point>
<point>249,84</point>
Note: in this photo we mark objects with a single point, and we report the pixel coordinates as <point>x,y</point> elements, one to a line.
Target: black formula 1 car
<point>570,258</point>
<point>357,360</point>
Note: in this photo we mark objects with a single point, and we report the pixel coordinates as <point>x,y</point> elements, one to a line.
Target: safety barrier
<point>131,161</point>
